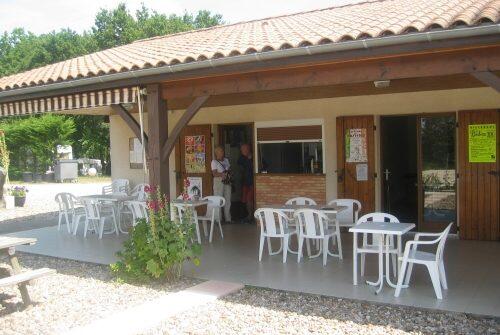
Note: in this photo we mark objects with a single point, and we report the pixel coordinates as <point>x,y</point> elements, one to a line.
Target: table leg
<point>389,282</point>
<point>355,259</point>
<point>16,268</point>
<point>380,281</point>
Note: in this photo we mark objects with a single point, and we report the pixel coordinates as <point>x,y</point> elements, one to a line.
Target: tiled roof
<point>331,25</point>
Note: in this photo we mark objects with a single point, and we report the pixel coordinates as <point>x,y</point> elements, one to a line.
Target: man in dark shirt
<point>246,163</point>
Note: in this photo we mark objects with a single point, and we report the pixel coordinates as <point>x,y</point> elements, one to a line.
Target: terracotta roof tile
<point>373,18</point>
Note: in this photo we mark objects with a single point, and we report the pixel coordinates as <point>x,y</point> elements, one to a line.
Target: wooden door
<point>478,178</point>
<point>356,160</point>
<point>194,151</point>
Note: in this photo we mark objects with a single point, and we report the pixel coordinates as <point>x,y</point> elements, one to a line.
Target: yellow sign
<point>482,143</point>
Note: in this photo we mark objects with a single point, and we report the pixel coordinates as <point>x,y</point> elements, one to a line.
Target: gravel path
<point>40,209</point>
<point>78,294</point>
<point>263,311</point>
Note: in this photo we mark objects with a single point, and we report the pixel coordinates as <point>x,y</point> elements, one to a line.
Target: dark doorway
<point>399,167</point>
<point>231,137</point>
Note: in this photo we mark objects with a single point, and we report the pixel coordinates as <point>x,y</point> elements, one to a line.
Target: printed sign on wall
<point>195,189</point>
<point>482,143</point>
<point>194,157</point>
<point>135,153</point>
<point>355,146</point>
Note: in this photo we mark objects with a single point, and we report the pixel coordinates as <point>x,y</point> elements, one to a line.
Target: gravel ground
<point>78,294</point>
<point>40,209</point>
<point>264,311</point>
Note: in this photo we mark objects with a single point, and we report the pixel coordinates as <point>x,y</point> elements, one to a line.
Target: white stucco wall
<point>325,109</point>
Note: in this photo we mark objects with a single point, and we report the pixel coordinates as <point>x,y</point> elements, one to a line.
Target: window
<point>295,149</point>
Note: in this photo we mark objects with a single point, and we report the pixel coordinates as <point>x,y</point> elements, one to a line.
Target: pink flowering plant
<point>157,248</point>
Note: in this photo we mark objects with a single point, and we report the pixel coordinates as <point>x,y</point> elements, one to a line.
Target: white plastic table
<point>381,230</point>
<point>117,200</point>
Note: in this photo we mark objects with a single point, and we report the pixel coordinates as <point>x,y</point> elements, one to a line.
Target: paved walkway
<point>140,319</point>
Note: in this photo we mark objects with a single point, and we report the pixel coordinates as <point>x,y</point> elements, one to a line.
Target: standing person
<point>246,163</point>
<point>222,179</point>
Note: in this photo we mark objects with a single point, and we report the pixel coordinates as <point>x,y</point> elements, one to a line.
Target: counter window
<point>290,149</point>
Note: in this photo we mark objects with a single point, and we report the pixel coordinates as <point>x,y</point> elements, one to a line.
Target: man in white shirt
<point>222,180</point>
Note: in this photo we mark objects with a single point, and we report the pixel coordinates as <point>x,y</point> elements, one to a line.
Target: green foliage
<point>156,250</point>
<point>91,138</point>
<point>34,140</point>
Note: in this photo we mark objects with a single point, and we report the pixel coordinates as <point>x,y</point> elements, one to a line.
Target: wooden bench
<point>23,278</point>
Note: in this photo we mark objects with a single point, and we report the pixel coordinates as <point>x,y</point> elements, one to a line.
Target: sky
<point>42,16</point>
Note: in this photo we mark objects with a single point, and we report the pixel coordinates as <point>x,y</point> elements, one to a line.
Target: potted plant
<point>19,194</point>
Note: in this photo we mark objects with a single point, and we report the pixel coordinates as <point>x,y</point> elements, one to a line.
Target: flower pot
<point>27,177</point>
<point>19,201</point>
<point>9,201</point>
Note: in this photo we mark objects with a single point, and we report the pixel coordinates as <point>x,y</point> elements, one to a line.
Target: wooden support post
<point>16,269</point>
<point>158,132</point>
<point>488,78</point>
<point>131,123</point>
<point>183,121</point>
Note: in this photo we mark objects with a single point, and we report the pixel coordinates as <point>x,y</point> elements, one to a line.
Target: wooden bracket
<point>183,121</point>
<point>488,78</point>
<point>131,123</point>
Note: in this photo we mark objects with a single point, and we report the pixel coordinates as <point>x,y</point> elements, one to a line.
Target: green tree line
<point>21,50</point>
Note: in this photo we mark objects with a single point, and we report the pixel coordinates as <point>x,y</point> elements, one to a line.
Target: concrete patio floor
<point>472,268</point>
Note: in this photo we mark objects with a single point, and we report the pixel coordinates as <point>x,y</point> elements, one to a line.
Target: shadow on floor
<point>28,222</point>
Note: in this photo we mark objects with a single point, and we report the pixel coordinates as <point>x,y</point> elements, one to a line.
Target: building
<point>395,103</point>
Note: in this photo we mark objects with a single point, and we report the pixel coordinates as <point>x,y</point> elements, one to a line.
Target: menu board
<point>355,146</point>
<point>482,143</point>
<point>194,156</point>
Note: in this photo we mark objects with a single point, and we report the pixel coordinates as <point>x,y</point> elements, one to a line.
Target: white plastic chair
<point>313,224</point>
<point>373,246</point>
<point>301,201</point>
<point>117,186</point>
<point>138,209</point>
<point>213,214</point>
<point>433,261</point>
<point>349,216</point>
<point>139,192</point>
<point>273,224</point>
<point>95,217</point>
<point>68,206</point>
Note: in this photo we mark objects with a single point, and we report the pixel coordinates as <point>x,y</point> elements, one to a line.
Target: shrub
<point>157,248</point>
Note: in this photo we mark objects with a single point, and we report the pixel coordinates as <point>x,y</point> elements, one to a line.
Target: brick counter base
<point>272,189</point>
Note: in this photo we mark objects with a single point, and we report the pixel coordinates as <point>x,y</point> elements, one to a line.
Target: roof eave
<point>135,77</point>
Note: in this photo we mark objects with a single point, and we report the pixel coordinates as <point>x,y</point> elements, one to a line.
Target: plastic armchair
<point>139,192</point>
<point>138,209</point>
<point>117,186</point>
<point>68,207</point>
<point>182,212</point>
<point>301,201</point>
<point>273,224</point>
<point>433,261</point>
<point>349,216</point>
<point>313,224</point>
<point>372,247</point>
<point>213,214</point>
<point>95,218</point>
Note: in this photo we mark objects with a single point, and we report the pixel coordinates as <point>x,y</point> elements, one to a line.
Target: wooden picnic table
<point>8,245</point>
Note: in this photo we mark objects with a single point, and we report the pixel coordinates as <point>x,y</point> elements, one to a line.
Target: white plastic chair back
<point>66,201</point>
<point>350,214</point>
<point>272,221</point>
<point>139,192</point>
<point>442,242</point>
<point>139,210</point>
<point>118,186</point>
<point>312,223</point>
<point>91,207</point>
<point>215,203</point>
<point>377,217</point>
<point>301,201</point>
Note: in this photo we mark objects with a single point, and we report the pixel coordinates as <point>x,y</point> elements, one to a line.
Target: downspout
<point>436,35</point>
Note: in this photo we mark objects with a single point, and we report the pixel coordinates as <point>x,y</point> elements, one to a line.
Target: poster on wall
<point>482,143</point>
<point>362,172</point>
<point>135,153</point>
<point>355,146</point>
<point>195,189</point>
<point>194,156</point>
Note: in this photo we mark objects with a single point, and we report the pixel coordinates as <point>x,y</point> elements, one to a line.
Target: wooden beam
<point>414,66</point>
<point>131,123</point>
<point>488,78</point>
<point>183,121</point>
<point>158,132</point>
